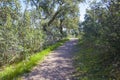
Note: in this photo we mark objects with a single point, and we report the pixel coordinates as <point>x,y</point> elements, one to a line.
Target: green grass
<point>12,71</point>
<point>87,64</point>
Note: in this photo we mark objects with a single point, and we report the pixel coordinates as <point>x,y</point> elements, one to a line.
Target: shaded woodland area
<point>29,30</point>
<point>41,23</point>
<point>100,42</point>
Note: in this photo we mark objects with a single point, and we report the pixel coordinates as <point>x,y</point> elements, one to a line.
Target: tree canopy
<point>27,26</point>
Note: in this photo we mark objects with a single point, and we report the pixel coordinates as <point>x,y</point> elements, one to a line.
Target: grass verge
<point>25,66</point>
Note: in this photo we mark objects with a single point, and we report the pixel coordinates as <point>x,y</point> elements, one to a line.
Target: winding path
<point>56,66</point>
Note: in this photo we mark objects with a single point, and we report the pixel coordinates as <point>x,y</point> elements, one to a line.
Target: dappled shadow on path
<point>56,66</point>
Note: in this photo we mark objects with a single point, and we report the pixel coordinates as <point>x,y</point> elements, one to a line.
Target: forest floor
<point>58,65</point>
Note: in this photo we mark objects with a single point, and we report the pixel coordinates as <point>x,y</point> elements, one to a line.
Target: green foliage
<point>13,71</point>
<point>101,35</point>
<point>88,64</point>
<point>25,30</point>
<point>58,14</point>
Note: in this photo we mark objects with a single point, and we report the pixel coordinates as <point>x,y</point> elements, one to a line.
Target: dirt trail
<point>56,66</point>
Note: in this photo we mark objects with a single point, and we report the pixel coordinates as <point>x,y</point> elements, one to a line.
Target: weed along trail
<point>56,66</point>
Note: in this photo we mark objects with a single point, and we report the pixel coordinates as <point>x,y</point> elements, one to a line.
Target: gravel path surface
<point>56,66</point>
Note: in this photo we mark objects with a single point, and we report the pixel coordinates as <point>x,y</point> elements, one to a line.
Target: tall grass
<point>13,71</point>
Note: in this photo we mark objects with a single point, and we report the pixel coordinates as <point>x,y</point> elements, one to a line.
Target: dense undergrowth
<point>99,55</point>
<point>12,71</point>
<point>92,64</point>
